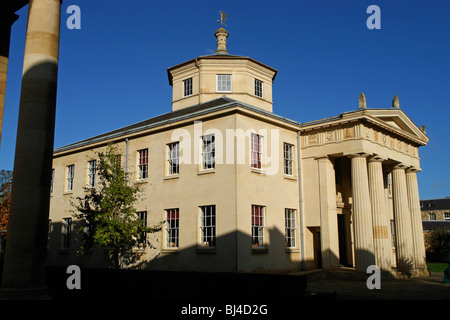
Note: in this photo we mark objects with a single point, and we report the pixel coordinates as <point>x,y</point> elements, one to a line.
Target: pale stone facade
<point>286,195</point>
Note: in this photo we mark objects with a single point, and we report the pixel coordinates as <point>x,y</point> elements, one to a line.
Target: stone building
<point>435,209</point>
<point>435,214</point>
<point>242,189</point>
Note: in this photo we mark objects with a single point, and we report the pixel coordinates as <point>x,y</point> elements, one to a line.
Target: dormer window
<point>187,86</point>
<point>258,88</point>
<point>224,83</point>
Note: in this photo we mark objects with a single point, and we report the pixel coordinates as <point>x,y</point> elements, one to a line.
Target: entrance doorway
<point>342,234</point>
<point>317,247</point>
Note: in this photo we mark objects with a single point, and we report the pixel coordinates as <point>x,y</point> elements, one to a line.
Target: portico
<point>371,155</point>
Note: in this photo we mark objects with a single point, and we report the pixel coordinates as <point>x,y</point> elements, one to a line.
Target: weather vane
<point>223,18</point>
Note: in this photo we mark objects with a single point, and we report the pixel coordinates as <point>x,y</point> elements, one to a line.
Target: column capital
<point>322,157</point>
<point>376,158</point>
<point>400,166</point>
<point>358,155</point>
<point>413,169</point>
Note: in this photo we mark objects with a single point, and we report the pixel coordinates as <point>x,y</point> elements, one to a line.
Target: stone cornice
<point>370,116</point>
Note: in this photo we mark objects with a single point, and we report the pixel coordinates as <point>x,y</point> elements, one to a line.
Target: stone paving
<point>425,288</point>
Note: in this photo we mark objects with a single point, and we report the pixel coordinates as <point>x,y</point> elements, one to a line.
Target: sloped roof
<point>435,204</point>
<point>173,116</point>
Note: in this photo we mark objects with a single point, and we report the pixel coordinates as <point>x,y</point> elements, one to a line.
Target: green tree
<point>106,216</point>
<point>5,198</point>
<point>439,239</point>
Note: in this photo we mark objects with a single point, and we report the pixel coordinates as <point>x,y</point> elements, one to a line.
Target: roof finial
<point>221,35</point>
<point>395,102</point>
<point>362,101</point>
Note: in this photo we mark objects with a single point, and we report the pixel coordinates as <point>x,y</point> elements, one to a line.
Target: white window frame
<point>187,87</point>
<point>208,152</point>
<point>288,159</point>
<point>256,153</point>
<point>446,216</point>
<point>172,229</point>
<point>258,88</point>
<point>173,158</point>
<point>208,226</point>
<point>290,228</point>
<point>222,83</point>
<point>143,165</point>
<point>258,212</point>
<point>70,175</point>
<point>92,170</point>
<point>432,216</point>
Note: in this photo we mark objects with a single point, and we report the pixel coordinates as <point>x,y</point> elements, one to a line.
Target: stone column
<point>380,216</point>
<point>362,214</point>
<point>23,273</point>
<point>416,220</point>
<point>6,21</point>
<point>402,218</point>
<point>328,214</point>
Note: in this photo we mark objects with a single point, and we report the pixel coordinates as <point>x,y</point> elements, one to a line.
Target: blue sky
<point>113,71</point>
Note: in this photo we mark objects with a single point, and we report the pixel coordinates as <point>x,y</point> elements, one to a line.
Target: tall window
<point>66,232</point>
<point>49,233</point>
<point>92,169</point>
<point>288,158</point>
<point>290,227</point>
<point>208,226</point>
<point>143,164</point>
<point>393,243</point>
<point>172,228</point>
<point>53,179</point>
<point>224,82</point>
<point>173,158</point>
<point>432,216</point>
<point>142,238</point>
<point>258,88</point>
<point>187,84</point>
<point>257,226</point>
<point>256,147</point>
<point>208,151</point>
<point>389,184</point>
<point>69,177</point>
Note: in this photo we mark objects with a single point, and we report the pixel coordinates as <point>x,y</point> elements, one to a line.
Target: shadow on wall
<point>233,253</point>
<point>192,272</point>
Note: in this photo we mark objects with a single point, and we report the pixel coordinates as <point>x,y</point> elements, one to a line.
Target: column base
<point>24,293</point>
<point>415,273</point>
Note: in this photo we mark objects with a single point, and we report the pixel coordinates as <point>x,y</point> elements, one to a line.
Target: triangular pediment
<point>396,120</point>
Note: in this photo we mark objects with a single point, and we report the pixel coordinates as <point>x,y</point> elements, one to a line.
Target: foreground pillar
<point>416,221</point>
<point>402,218</point>
<point>362,214</point>
<point>328,214</point>
<point>380,216</point>
<point>23,274</point>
